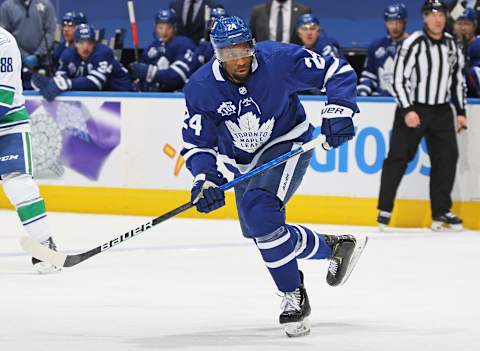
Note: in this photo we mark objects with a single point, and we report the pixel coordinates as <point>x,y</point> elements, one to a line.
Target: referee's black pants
<point>438,128</point>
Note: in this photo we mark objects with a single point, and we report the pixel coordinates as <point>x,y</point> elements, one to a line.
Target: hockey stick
<point>133,24</point>
<point>62,260</point>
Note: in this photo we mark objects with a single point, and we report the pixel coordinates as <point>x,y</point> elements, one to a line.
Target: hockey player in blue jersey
<point>204,52</point>
<point>243,110</point>
<point>165,63</point>
<point>70,21</point>
<point>377,75</point>
<point>465,27</point>
<point>89,66</point>
<point>308,30</point>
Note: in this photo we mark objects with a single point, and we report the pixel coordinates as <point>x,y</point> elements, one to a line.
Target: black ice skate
<point>45,267</point>
<point>383,219</point>
<point>296,309</point>
<point>347,249</point>
<point>448,222</point>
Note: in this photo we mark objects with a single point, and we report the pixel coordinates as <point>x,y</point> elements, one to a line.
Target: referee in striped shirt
<point>428,78</point>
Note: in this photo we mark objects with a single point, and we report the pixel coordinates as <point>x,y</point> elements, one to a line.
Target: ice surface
<point>198,285</point>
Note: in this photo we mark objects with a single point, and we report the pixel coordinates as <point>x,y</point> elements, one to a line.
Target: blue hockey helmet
<point>396,11</point>
<point>230,31</point>
<point>307,19</point>
<point>166,16</point>
<point>74,18</point>
<point>84,32</point>
<point>468,15</point>
<point>218,12</point>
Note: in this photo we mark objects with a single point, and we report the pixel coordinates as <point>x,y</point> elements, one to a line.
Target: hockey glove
<point>143,71</point>
<point>337,125</point>
<point>206,194</point>
<point>51,88</point>
<point>363,90</point>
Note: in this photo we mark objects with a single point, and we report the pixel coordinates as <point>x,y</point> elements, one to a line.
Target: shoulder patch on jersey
<point>380,52</point>
<point>227,108</point>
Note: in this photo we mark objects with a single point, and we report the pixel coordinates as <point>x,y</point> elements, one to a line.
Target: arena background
<point>138,171</point>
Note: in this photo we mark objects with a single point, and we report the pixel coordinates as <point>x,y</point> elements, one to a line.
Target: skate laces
<point>450,215</point>
<point>291,301</point>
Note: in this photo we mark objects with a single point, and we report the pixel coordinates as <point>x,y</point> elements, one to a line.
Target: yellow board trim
<point>302,208</point>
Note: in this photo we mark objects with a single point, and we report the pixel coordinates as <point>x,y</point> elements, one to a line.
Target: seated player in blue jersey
<point>70,21</point>
<point>204,52</point>
<point>377,75</point>
<point>90,66</point>
<point>243,110</point>
<point>308,30</point>
<point>165,63</point>
<point>465,27</point>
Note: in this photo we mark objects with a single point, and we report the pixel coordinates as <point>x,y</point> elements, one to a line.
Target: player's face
<point>85,48</point>
<point>309,34</point>
<point>165,31</point>
<point>435,22</point>
<point>68,30</point>
<point>395,28</point>
<point>239,68</point>
<point>465,29</point>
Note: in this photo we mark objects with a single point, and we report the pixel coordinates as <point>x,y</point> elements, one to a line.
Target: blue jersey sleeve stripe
<point>179,72</point>
<point>95,81</point>
<point>181,64</point>
<point>192,152</point>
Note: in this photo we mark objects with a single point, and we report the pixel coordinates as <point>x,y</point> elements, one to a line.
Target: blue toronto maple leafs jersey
<point>58,51</point>
<point>327,46</point>
<point>377,75</point>
<point>101,71</point>
<point>473,65</point>
<point>203,53</point>
<point>235,124</point>
<point>173,61</point>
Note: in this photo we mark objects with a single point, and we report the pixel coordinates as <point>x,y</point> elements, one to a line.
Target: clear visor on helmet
<point>309,26</point>
<point>235,52</point>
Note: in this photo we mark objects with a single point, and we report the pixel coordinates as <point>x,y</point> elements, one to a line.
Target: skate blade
<point>360,244</point>
<point>46,268</point>
<point>382,227</point>
<point>443,227</point>
<point>297,329</point>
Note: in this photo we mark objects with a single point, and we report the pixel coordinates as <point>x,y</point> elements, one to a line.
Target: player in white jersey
<point>15,150</point>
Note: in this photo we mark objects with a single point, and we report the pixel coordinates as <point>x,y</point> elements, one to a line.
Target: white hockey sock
<point>23,193</point>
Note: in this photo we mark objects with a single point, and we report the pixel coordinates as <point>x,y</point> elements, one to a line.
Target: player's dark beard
<point>237,79</point>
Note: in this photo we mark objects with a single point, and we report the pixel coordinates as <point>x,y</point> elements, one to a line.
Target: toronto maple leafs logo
<point>227,108</point>
<point>385,74</point>
<point>249,135</point>
<point>152,52</point>
<point>380,52</point>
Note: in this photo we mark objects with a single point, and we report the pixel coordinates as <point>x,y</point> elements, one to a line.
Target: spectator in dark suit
<point>193,16</point>
<point>275,20</point>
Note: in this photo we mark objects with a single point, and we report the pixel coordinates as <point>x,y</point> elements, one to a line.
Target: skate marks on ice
<point>326,334</point>
<point>269,337</point>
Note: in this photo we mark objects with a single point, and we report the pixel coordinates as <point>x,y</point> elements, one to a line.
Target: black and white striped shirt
<point>429,72</point>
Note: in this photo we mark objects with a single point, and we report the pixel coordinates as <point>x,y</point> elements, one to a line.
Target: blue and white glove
<point>206,194</point>
<point>50,88</point>
<point>337,124</point>
<point>363,90</point>
<point>143,71</point>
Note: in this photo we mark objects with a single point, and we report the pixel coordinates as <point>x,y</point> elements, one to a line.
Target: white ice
<point>198,285</point>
